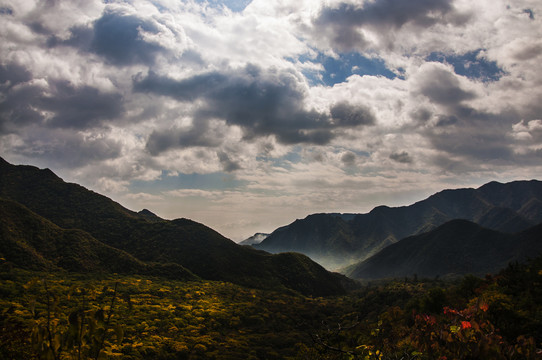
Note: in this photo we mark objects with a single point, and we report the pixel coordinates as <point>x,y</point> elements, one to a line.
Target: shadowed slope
<point>148,238</point>
<point>337,240</point>
<point>30,241</point>
<point>458,247</point>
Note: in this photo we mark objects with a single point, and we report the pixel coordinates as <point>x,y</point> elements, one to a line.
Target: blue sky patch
<point>470,65</point>
<point>337,70</point>
<point>233,5</point>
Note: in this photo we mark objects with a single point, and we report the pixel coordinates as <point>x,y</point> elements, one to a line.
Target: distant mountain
<point>254,239</point>
<point>338,240</point>
<point>326,238</point>
<point>458,247</point>
<point>143,236</point>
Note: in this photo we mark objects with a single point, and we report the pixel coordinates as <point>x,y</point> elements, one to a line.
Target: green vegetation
<point>458,247</point>
<point>76,316</point>
<point>160,319</point>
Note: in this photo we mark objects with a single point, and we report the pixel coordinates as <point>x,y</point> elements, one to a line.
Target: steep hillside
<point>32,242</point>
<point>336,240</point>
<point>150,239</point>
<point>458,247</point>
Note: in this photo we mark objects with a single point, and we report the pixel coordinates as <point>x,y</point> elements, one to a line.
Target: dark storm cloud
<point>454,127</point>
<point>341,24</point>
<point>66,148</point>
<point>421,115</point>
<point>227,164</point>
<point>458,129</point>
<point>476,137</point>
<point>345,114</point>
<point>117,38</point>
<point>446,120</point>
<point>442,87</point>
<point>80,107</point>
<point>528,52</point>
<point>67,106</point>
<point>184,90</point>
<point>17,103</point>
<point>81,37</point>
<point>401,157</point>
<point>262,104</point>
<point>197,135</point>
<point>17,110</point>
<point>348,158</point>
<point>475,145</point>
<point>13,74</point>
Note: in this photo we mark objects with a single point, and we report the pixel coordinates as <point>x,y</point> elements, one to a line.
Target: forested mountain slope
<point>149,239</point>
<point>337,240</point>
<point>458,247</point>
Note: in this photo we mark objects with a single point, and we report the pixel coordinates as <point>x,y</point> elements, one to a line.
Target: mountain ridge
<point>254,239</point>
<point>149,239</point>
<point>32,242</point>
<point>458,247</point>
<point>508,207</point>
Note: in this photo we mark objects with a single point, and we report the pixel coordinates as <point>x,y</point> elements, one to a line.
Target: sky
<point>245,115</point>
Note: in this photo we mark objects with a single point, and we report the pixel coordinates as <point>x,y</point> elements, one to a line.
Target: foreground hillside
<point>32,242</point>
<point>338,240</point>
<point>48,213</point>
<point>70,316</point>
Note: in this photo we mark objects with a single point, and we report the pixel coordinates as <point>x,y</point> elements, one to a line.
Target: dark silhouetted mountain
<point>337,240</point>
<point>254,239</point>
<point>458,247</point>
<point>149,215</point>
<point>32,242</point>
<point>150,239</point>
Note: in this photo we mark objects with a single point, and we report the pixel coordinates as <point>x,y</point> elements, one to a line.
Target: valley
<point>82,277</point>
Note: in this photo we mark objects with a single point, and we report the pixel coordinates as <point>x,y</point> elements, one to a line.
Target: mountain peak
<point>169,247</point>
<point>458,247</point>
<point>254,239</point>
<point>146,213</point>
<point>509,207</point>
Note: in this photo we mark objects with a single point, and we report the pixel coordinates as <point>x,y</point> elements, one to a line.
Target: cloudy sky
<point>245,115</point>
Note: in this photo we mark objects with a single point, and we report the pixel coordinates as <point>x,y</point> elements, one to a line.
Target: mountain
<point>326,238</point>
<point>149,215</point>
<point>32,242</point>
<point>254,239</point>
<point>458,247</point>
<point>338,240</point>
<point>146,238</point>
